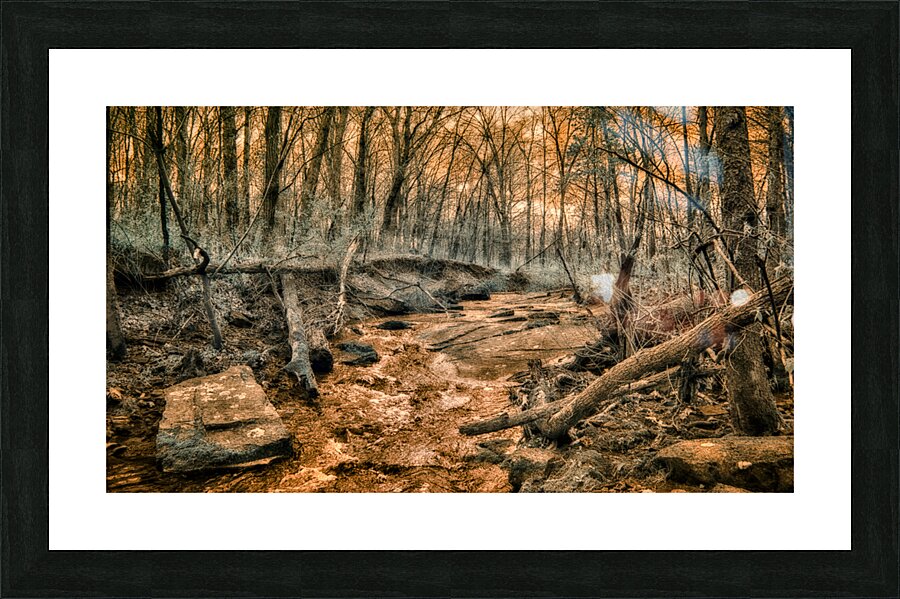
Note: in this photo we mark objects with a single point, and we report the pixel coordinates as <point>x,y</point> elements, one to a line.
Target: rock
<point>191,365</point>
<point>239,320</point>
<point>219,421</point>
<point>584,471</point>
<point>454,307</point>
<point>365,353</point>
<point>252,358</point>
<point>474,296</point>
<point>754,463</point>
<point>321,360</point>
<point>393,325</point>
<point>529,467</point>
<point>720,488</point>
<point>502,314</point>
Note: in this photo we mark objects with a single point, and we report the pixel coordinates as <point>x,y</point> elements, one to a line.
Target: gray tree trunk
<point>115,341</point>
<point>273,165</point>
<point>753,410</point>
<point>229,167</point>
<point>775,171</point>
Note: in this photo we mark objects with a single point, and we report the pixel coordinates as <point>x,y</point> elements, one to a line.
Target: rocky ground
<point>392,425</point>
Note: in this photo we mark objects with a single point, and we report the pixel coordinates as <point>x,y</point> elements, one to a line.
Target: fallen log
<point>714,330</point>
<point>505,420</point>
<point>647,326</point>
<point>249,269</point>
<point>432,267</point>
<point>309,349</point>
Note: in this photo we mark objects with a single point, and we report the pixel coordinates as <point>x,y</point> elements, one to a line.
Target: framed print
<point>359,254</point>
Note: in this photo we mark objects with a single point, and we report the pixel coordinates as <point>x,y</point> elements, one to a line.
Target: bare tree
<point>753,407</point>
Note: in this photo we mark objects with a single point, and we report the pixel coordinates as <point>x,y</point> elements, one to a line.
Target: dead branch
<point>713,330</point>
<point>505,420</point>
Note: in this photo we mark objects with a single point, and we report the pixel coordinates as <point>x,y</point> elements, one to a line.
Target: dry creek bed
<point>393,426</point>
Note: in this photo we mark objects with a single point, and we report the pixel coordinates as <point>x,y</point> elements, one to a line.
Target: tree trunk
<point>115,341</point>
<point>775,172</point>
<point>273,165</point>
<point>687,166</point>
<point>229,167</point>
<point>335,166</point>
<point>752,405</point>
<point>789,173</point>
<point>360,174</point>
<point>245,174</point>
<point>390,220</point>
<point>311,176</point>
<point>723,327</point>
<point>157,138</point>
<point>181,152</point>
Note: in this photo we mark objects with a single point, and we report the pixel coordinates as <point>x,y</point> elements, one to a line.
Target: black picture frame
<point>29,29</point>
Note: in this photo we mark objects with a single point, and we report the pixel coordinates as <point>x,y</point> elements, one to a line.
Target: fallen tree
<point>309,348</point>
<point>433,267</point>
<point>505,420</point>
<point>647,326</point>
<point>715,330</point>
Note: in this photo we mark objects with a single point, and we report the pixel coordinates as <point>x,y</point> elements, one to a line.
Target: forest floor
<point>393,426</point>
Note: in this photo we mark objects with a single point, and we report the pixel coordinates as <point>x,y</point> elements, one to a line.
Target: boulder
<point>393,325</point>
<point>365,353</point>
<point>219,421</point>
<point>754,463</point>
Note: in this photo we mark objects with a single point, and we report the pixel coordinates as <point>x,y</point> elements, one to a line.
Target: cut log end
<point>304,377</point>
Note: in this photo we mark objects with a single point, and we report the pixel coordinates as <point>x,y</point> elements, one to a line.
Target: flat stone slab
<point>219,421</point>
<point>754,463</point>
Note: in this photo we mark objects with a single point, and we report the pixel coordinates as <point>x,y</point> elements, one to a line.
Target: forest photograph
<point>462,299</point>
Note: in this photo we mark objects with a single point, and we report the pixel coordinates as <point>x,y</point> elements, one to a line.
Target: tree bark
<point>181,152</point>
<point>359,174</point>
<point>544,410</point>
<point>335,165</point>
<point>156,134</point>
<point>273,165</point>
<point>309,352</point>
<point>753,409</point>
<point>687,165</point>
<point>245,173</point>
<point>229,167</point>
<point>115,341</point>
<point>311,176</point>
<point>775,172</point>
